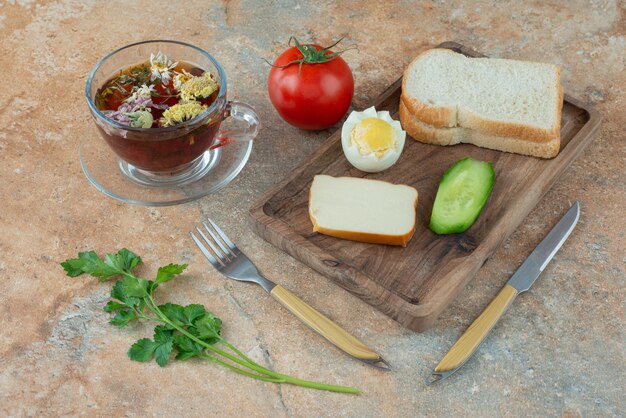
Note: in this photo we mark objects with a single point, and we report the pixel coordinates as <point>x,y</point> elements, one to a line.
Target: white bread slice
<point>450,136</point>
<point>363,210</point>
<point>499,97</point>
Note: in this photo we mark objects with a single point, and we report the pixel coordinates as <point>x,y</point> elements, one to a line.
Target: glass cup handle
<point>246,117</point>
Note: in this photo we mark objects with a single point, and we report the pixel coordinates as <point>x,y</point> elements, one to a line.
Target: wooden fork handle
<point>326,328</point>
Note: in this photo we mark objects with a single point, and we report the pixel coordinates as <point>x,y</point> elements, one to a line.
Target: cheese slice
<point>364,210</point>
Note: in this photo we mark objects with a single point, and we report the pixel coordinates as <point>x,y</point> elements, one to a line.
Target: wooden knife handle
<point>324,326</point>
<point>463,349</point>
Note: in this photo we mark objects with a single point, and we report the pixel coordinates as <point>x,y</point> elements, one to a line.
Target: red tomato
<point>314,95</point>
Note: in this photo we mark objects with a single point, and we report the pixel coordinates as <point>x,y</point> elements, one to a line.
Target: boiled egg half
<point>372,141</point>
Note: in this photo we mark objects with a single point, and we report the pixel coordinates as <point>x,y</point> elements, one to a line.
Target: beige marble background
<point>559,351</point>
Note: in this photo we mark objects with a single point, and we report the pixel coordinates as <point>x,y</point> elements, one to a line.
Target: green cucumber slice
<point>462,193</point>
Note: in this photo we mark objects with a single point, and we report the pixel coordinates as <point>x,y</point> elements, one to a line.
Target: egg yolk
<point>373,136</point>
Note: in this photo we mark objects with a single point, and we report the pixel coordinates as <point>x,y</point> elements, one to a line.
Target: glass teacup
<point>174,155</point>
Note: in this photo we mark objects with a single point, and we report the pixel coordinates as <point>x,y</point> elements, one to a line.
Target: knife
<point>520,282</point>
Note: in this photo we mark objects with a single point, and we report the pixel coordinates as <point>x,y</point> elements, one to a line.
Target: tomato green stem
<point>312,55</point>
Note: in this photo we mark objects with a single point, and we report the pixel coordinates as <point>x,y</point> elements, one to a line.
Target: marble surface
<point>559,352</point>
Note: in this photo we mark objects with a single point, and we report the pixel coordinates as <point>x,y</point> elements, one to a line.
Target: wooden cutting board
<point>413,285</point>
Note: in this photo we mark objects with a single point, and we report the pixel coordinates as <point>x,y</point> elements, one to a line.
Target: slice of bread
<point>501,97</point>
<point>451,136</point>
<point>364,210</point>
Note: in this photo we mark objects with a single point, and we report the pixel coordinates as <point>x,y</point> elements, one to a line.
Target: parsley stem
<point>239,353</point>
<point>251,365</point>
<point>241,371</point>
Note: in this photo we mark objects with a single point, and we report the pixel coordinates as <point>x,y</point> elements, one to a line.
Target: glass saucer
<point>121,181</point>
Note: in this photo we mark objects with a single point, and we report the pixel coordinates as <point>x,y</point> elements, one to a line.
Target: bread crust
<point>447,117</point>
<point>420,132</point>
<point>433,115</point>
<point>451,136</point>
<point>397,240</point>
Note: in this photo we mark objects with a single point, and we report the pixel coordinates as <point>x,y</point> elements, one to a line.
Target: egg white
<point>370,163</point>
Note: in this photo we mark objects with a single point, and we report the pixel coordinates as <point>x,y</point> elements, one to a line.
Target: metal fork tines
<point>224,255</point>
<point>227,258</point>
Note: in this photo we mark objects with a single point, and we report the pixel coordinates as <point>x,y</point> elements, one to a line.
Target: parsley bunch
<point>188,331</point>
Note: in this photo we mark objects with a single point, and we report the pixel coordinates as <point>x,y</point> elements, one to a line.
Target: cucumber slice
<point>462,193</point>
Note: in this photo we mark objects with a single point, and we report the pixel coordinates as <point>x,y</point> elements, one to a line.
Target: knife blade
<point>521,281</point>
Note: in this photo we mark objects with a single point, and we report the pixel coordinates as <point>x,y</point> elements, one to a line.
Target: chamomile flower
<point>160,66</point>
<point>181,78</point>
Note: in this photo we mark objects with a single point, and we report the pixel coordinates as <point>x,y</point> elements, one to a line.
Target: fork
<point>234,264</point>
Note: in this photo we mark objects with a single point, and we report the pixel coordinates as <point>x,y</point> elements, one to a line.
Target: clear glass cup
<point>179,154</point>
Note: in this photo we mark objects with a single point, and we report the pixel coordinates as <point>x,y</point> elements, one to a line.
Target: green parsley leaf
<point>165,340</point>
<point>74,266</point>
<point>184,343</point>
<point>185,355</point>
<point>175,313</point>
<point>167,273</point>
<point>89,262</point>
<point>162,334</point>
<point>135,286</point>
<point>162,353</point>
<point>192,312</point>
<point>161,347</point>
<point>124,261</point>
<point>112,306</point>
<point>122,318</point>
<point>142,350</point>
<point>186,347</point>
<point>118,292</point>
<point>208,327</point>
<point>182,316</point>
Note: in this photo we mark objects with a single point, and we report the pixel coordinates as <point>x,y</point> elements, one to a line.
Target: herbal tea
<point>158,94</point>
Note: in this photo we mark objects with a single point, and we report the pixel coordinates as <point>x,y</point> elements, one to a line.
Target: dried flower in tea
<point>180,113</point>
<point>158,93</point>
<point>196,88</point>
